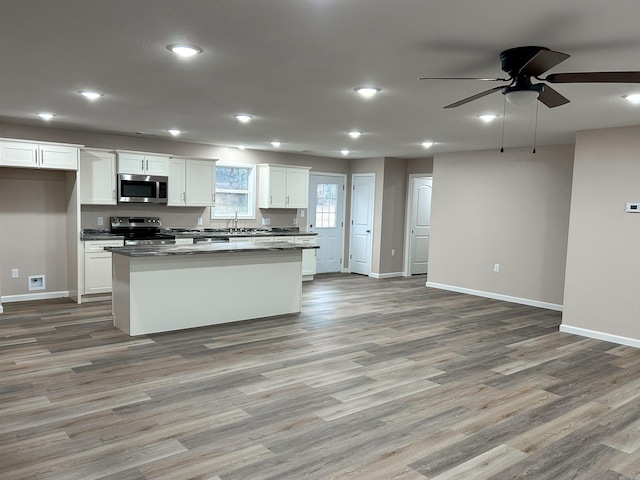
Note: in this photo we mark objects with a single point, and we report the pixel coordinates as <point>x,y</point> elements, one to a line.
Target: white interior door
<point>361,238</point>
<point>326,218</point>
<point>420,219</point>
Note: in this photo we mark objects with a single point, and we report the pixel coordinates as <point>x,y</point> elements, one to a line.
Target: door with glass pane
<point>326,218</point>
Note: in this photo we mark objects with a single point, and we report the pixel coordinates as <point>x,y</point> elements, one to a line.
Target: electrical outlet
<point>100,221</point>
<point>393,252</point>
<point>295,221</point>
<point>302,213</point>
<point>496,267</point>
<point>200,221</point>
<point>15,273</point>
<point>266,221</point>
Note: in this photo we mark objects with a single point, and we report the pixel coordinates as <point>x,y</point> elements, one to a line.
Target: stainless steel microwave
<point>142,188</point>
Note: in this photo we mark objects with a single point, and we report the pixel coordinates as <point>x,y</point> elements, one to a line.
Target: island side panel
<point>121,302</point>
<point>174,292</point>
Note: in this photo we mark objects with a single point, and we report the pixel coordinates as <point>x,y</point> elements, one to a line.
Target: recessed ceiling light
<point>427,144</point>
<point>45,115</point>
<point>276,143</point>
<point>354,133</point>
<point>488,117</point>
<point>174,131</point>
<point>243,117</point>
<point>241,147</point>
<point>367,92</point>
<point>184,51</point>
<point>633,98</point>
<point>90,94</point>
<point>344,151</point>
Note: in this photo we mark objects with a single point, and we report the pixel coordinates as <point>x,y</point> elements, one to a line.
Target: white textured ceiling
<point>293,64</point>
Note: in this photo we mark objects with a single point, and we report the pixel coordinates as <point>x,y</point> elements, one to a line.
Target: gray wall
<point>511,209</point>
<point>33,227</point>
<point>602,289</point>
<point>394,201</point>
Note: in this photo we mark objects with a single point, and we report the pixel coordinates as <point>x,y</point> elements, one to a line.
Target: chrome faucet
<point>235,222</point>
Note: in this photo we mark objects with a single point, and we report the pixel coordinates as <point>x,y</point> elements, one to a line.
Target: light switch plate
<point>200,221</point>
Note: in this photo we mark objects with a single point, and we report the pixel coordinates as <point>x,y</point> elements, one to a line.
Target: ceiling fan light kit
<point>522,97</point>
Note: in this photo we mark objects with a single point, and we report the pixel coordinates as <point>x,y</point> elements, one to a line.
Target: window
<point>326,203</point>
<point>235,191</point>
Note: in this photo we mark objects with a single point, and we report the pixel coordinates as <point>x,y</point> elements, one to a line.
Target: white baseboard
<point>96,297</point>
<point>33,296</point>
<point>607,337</point>
<point>386,275</point>
<point>496,296</point>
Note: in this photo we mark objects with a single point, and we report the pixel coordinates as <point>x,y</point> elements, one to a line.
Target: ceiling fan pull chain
<point>504,119</point>
<point>535,129</point>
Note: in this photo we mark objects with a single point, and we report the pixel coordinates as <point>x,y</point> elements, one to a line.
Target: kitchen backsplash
<point>188,216</point>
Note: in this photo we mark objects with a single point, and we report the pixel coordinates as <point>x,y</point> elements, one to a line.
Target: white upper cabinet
<point>297,187</point>
<point>192,182</point>
<point>143,163</point>
<point>38,155</point>
<point>97,177</point>
<point>200,182</point>
<point>176,187</point>
<point>283,186</point>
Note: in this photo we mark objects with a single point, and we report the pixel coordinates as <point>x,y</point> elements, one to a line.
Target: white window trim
<point>252,193</point>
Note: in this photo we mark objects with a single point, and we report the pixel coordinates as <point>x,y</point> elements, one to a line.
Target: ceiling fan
<point>524,63</point>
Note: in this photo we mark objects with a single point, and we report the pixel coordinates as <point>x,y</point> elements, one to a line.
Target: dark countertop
<point>203,248</point>
<point>98,234</point>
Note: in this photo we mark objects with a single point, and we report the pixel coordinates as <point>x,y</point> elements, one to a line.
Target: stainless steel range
<point>141,231</point>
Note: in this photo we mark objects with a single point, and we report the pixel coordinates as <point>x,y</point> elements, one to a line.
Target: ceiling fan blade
<point>466,78</point>
<point>551,98</point>
<point>473,97</point>
<point>543,61</point>
<point>594,77</point>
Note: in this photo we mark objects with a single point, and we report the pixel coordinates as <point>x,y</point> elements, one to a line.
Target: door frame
<point>373,217</point>
<point>344,208</point>
<point>407,222</point>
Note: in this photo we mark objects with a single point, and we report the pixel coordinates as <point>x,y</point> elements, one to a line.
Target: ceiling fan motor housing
<point>514,59</point>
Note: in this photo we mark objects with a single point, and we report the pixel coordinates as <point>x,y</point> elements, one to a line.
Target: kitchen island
<point>173,287</point>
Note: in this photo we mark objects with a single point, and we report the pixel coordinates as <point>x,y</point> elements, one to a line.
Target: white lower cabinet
<point>97,265</point>
<point>308,255</point>
<point>267,238</point>
<point>184,241</point>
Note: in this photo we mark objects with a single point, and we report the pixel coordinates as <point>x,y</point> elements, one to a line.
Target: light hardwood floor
<point>375,379</point>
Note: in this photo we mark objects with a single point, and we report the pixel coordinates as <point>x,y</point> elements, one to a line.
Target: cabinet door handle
<point>142,165</point>
<point>147,168</point>
<point>213,198</point>
<point>114,193</point>
<point>270,199</point>
<point>287,201</point>
<point>36,156</point>
<point>184,196</point>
